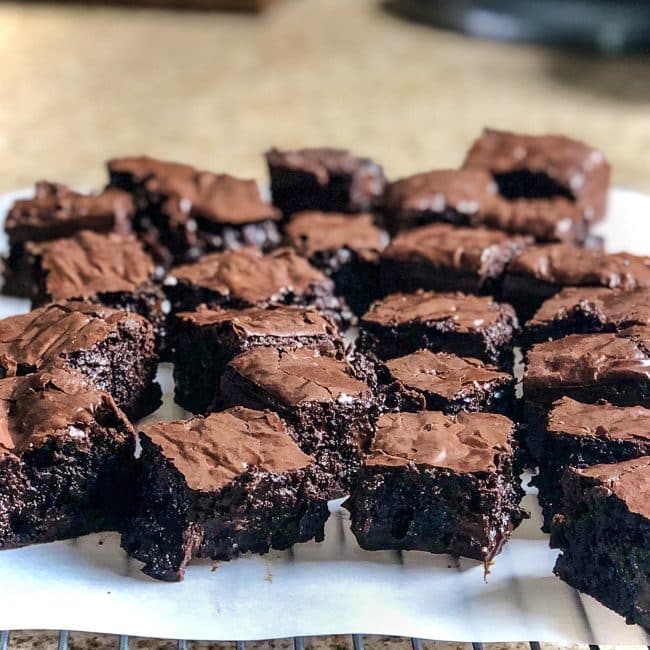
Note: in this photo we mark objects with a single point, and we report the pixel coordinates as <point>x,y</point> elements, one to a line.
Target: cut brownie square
<point>330,409</point>
<point>66,459</point>
<point>329,180</point>
<point>208,339</point>
<point>544,167</point>
<point>445,382</point>
<point>247,278</point>
<point>604,535</point>
<point>539,272</point>
<point>56,211</point>
<point>231,483</point>
<point>579,435</point>
<point>448,258</point>
<point>185,213</point>
<point>576,310</point>
<point>114,349</point>
<point>438,483</point>
<point>112,270</point>
<point>467,325</point>
<point>345,247</point>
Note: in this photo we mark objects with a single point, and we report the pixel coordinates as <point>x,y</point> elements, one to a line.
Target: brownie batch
<point>415,420</point>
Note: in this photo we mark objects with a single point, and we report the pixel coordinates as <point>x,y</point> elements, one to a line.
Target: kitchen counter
<point>80,84</point>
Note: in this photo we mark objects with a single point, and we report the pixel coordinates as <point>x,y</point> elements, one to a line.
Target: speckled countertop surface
<point>81,84</point>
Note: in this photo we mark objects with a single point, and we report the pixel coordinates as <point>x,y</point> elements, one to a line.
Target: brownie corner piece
<point>218,486</point>
<point>603,534</point>
<point>66,459</point>
<point>438,483</point>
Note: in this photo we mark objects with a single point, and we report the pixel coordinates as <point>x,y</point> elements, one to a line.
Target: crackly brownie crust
<point>66,459</point>
<point>438,483</point>
<point>185,213</point>
<point>114,349</point>
<point>247,278</point>
<point>329,180</point>
<point>207,340</point>
<point>443,257</point>
<point>331,410</point>
<point>217,487</point>
<point>580,435</point>
<point>604,536</point>
<point>467,325</point>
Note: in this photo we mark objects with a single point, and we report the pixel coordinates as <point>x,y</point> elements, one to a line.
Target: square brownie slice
<point>247,278</point>
<point>425,380</point>
<point>114,349</point>
<point>208,339</point>
<point>580,435</point>
<point>66,459</point>
<point>443,257</point>
<point>539,272</point>
<point>438,483</point>
<point>329,180</point>
<point>56,211</point>
<point>345,247</point>
<point>230,483</point>
<point>185,212</point>
<point>467,325</point>
<point>331,410</point>
<point>604,536</point>
<point>544,167</point>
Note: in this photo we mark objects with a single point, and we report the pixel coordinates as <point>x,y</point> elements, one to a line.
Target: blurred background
<point>81,83</point>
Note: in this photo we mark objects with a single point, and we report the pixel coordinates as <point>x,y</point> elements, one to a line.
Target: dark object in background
<point>604,25</point>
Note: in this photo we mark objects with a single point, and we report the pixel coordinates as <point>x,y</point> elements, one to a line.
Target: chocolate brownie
<point>539,272</point>
<point>604,535</point>
<point>345,247</point>
<point>56,211</point>
<point>576,310</point>
<point>66,458</point>
<point>247,278</point>
<point>231,483</point>
<point>438,483</point>
<point>579,435</point>
<point>208,339</point>
<point>329,180</point>
<point>185,212</point>
<point>331,410</point>
<point>114,349</point>
<point>445,382</point>
<point>544,167</point>
<point>467,325</point>
<point>111,269</point>
<point>448,258</point>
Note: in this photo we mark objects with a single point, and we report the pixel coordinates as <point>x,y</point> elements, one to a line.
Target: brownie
<point>329,180</point>
<point>539,272</point>
<point>576,310</point>
<point>425,380</point>
<point>114,349</point>
<point>66,459</point>
<point>438,483</point>
<point>544,167</point>
<point>604,535</point>
<point>184,212</point>
<point>579,435</point>
<point>444,257</point>
<point>231,483</point>
<point>345,247</point>
<point>462,324</point>
<point>247,278</point>
<point>109,269</point>
<point>56,211</point>
<point>330,409</point>
<point>208,339</point>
